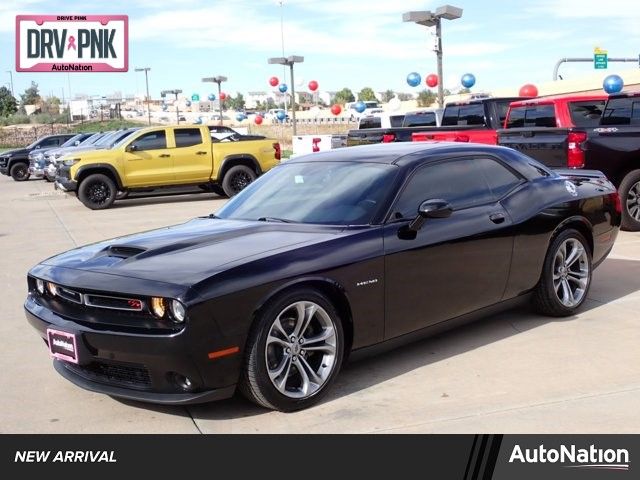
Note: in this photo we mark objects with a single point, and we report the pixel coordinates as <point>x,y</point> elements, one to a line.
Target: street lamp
<point>219,79</point>
<point>146,78</point>
<point>429,19</point>
<point>164,93</point>
<point>11,77</point>
<point>290,60</point>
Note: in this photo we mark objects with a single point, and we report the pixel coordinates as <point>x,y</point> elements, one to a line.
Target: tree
<point>404,97</point>
<point>426,98</point>
<point>31,95</point>
<point>236,103</point>
<point>387,95</point>
<point>367,95</point>
<point>51,105</point>
<point>8,103</point>
<point>464,90</point>
<point>344,96</point>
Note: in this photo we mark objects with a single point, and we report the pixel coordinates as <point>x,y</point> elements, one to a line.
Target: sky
<point>346,43</point>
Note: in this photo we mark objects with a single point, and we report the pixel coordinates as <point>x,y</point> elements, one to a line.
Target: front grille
<point>129,375</point>
<point>114,303</point>
<point>70,295</point>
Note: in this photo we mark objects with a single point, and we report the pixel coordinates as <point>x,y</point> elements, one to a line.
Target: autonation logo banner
<point>567,457</point>
<point>72,43</point>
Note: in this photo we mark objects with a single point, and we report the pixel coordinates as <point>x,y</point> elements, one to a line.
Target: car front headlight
<point>40,286</point>
<point>178,311</point>
<point>70,162</point>
<point>57,155</point>
<point>38,156</point>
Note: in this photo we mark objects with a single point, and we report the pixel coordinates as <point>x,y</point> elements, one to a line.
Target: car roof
<point>401,153</point>
<point>476,101</point>
<point>572,97</point>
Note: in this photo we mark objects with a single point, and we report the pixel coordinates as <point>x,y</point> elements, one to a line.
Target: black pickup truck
<point>16,162</point>
<point>613,147</point>
<point>472,121</point>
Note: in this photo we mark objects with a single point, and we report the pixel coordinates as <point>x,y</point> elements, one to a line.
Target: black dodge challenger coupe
<point>324,256</point>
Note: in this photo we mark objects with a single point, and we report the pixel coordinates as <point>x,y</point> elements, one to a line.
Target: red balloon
<point>313,85</point>
<point>336,109</point>
<point>432,80</point>
<point>223,96</point>
<point>274,81</point>
<point>258,119</point>
<point>528,90</point>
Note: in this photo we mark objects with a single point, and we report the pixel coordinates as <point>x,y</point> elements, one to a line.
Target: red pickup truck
<point>473,121</point>
<point>557,111</point>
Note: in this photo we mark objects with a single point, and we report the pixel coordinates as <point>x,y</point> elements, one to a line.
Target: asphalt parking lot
<point>515,372</point>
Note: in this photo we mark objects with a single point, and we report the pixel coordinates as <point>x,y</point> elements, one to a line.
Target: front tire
<point>294,352</point>
<point>630,197</point>
<point>19,172</point>
<point>97,191</point>
<point>237,179</point>
<point>566,275</point>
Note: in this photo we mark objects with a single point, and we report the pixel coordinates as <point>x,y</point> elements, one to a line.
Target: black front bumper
<point>64,181</point>
<point>136,366</point>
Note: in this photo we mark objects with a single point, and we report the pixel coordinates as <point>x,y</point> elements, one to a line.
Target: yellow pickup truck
<point>215,158</point>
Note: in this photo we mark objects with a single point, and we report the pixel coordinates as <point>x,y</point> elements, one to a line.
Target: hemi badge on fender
<point>223,353</point>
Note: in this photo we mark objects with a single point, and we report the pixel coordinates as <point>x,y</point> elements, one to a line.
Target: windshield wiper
<point>274,219</point>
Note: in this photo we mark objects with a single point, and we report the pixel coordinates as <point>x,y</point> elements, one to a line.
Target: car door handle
<point>164,155</point>
<point>497,217</point>
<point>201,153</point>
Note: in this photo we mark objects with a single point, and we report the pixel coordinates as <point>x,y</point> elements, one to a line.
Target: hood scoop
<point>122,251</point>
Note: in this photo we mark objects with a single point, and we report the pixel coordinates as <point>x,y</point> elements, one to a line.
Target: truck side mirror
<point>131,148</point>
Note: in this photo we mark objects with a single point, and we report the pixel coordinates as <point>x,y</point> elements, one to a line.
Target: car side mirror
<point>131,148</point>
<point>76,143</point>
<point>37,146</point>
<point>434,208</point>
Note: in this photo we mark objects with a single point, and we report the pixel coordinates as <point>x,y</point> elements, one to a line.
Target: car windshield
<point>92,139</point>
<point>120,137</point>
<point>330,193</point>
<point>71,141</point>
<point>106,139</point>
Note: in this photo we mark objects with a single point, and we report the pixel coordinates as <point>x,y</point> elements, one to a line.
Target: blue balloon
<point>211,97</point>
<point>414,79</point>
<point>240,117</point>
<point>360,106</point>
<point>195,97</point>
<point>281,115</point>
<point>468,80</point>
<point>283,87</point>
<point>613,84</point>
<point>187,103</point>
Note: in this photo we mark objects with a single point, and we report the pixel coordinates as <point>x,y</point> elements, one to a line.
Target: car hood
<point>15,151</point>
<point>73,150</point>
<point>191,252</point>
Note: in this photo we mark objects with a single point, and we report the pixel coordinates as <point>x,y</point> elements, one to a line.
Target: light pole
<point>11,77</point>
<point>146,78</point>
<point>218,79</point>
<point>290,61</point>
<point>176,93</point>
<point>429,19</point>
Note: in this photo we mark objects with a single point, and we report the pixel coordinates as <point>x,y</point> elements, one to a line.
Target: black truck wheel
<point>630,199</point>
<point>97,191</point>
<point>236,179</point>
<point>19,172</point>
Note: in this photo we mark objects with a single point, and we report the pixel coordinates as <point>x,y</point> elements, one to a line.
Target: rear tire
<point>566,275</point>
<point>236,179</point>
<point>19,172</point>
<point>630,199</point>
<point>97,191</point>
<point>294,352</point>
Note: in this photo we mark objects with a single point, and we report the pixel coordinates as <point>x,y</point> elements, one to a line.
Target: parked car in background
<point>154,158</point>
<point>473,121</point>
<point>430,117</point>
<point>610,144</point>
<point>15,163</point>
<point>323,258</point>
<point>381,120</point>
<point>371,107</point>
<point>38,157</point>
<point>102,141</point>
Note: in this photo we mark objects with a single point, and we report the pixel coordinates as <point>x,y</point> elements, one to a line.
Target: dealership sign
<point>72,43</point>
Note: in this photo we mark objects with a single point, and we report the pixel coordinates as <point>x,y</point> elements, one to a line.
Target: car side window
<point>461,182</point>
<point>151,141</point>
<point>187,137</point>
<point>501,179</point>
<point>49,142</point>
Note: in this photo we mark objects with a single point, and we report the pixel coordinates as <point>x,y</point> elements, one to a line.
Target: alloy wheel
<point>633,201</point>
<point>98,193</point>
<point>240,180</point>
<point>571,272</point>
<point>300,350</point>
